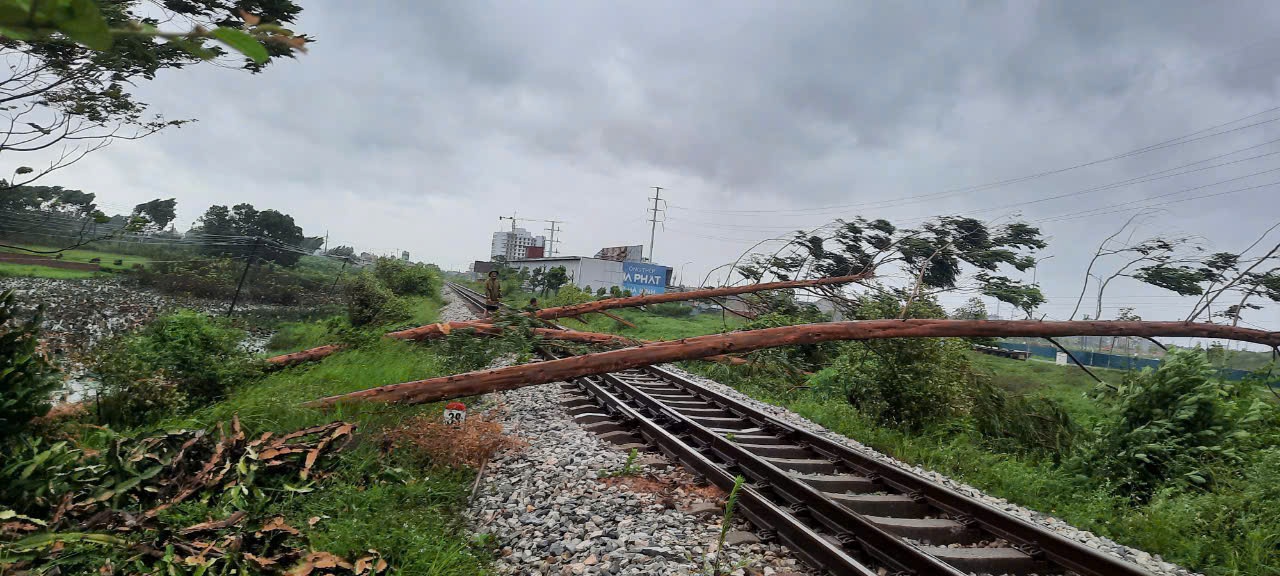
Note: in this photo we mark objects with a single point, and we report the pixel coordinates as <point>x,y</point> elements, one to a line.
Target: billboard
<point>622,253</point>
<point>641,278</point>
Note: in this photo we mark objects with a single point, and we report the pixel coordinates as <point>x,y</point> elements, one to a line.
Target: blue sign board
<point>641,278</point>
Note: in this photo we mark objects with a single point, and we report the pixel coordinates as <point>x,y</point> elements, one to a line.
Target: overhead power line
<point>1178,141</point>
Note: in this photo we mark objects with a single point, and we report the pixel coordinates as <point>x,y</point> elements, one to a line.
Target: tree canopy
<point>935,256</point>
<point>242,230</point>
<point>73,64</point>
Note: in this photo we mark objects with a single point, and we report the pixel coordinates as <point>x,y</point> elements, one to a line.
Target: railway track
<point>842,511</point>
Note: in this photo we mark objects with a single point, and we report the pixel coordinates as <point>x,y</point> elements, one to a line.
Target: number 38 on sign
<point>455,413</point>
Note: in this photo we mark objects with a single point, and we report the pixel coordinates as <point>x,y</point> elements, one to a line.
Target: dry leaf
<point>250,19</point>
<point>313,520</point>
<point>278,523</point>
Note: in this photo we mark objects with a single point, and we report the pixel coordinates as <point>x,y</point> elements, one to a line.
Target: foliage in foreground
<point>185,358</point>
<point>1177,427</point>
<point>27,379</point>
<point>1226,526</point>
<point>65,493</point>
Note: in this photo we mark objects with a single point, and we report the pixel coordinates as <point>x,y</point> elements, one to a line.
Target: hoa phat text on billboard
<point>644,278</point>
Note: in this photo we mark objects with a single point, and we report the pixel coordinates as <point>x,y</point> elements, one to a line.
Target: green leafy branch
<point>83,22</point>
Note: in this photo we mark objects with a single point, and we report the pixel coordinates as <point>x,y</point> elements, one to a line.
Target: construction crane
<point>552,229</point>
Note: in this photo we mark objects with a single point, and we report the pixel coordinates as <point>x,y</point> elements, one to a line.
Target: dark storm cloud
<point>412,125</point>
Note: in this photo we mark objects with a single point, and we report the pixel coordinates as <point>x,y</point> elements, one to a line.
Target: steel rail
<point>1034,539</point>
<point>811,546</point>
<point>848,526</point>
<point>667,428</point>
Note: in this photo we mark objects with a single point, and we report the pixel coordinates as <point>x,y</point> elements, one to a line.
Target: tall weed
<point>1175,426</point>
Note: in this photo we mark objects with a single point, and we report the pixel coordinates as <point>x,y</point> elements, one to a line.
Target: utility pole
<point>551,240</point>
<point>653,228</point>
<point>326,242</point>
<point>243,275</point>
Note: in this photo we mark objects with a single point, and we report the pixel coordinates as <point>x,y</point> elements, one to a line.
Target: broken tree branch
<point>512,377</point>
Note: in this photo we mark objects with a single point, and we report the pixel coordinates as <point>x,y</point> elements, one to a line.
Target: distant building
<point>622,253</point>
<point>638,277</point>
<point>512,245</point>
<point>480,269</point>
<point>404,255</point>
<point>534,252</point>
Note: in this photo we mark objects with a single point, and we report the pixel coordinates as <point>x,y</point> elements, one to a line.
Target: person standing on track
<point>492,293</point>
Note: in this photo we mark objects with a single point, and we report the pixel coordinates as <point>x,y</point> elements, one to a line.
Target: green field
<point>32,271</point>
<point>1066,384</point>
<point>107,262</point>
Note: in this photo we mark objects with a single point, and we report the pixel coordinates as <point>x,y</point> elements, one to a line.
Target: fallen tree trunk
<point>432,331</point>
<point>633,301</point>
<point>285,360</point>
<point>511,377</point>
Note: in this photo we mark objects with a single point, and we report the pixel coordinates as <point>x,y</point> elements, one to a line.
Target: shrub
<point>27,379</point>
<point>1023,424</point>
<point>906,383</point>
<point>615,292</point>
<point>218,278</point>
<point>180,359</point>
<point>601,292</point>
<point>1173,426</point>
<point>567,295</point>
<point>406,279</point>
<point>370,302</point>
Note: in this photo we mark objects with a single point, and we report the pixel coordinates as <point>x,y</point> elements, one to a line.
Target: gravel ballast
<point>552,514</point>
<point>550,493</point>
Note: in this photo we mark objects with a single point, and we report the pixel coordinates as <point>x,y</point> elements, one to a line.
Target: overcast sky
<point>414,125</point>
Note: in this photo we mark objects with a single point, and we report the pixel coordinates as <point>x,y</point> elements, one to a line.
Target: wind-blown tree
<point>1133,257</point>
<point>72,65</point>
<point>243,230</point>
<point>1218,275</point>
<point>342,251</point>
<point>934,257</point>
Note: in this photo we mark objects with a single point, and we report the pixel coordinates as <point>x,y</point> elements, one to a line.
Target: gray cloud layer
<point>414,125</point>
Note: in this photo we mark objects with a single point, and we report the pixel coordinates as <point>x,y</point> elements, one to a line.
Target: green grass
<point>295,336</point>
<point>1233,530</point>
<point>33,271</point>
<point>85,255</point>
<point>387,502</point>
<point>1068,385</point>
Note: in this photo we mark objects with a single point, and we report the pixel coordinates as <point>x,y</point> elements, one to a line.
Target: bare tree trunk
<point>512,377</point>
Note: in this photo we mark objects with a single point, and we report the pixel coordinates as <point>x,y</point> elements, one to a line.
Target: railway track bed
<point>841,509</point>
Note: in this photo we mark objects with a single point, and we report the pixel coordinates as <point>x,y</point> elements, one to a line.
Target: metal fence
<point>1113,361</point>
